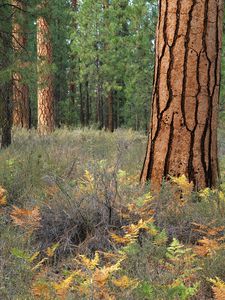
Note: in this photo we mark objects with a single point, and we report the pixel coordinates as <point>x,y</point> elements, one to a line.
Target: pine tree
<point>21,104</point>
<point>113,50</point>
<point>183,137</point>
<point>5,75</point>
<point>45,78</point>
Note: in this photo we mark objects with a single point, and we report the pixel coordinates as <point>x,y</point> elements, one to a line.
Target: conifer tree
<point>21,104</point>
<point>183,134</point>
<point>5,75</point>
<point>45,79</point>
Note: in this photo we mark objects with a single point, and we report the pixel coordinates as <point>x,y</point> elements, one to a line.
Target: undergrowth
<point>76,224</point>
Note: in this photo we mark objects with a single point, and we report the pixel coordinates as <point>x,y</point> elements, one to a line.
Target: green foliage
<point>182,292</point>
<point>175,250</point>
<point>20,254</point>
<point>97,49</point>
<point>113,50</point>
<point>145,291</point>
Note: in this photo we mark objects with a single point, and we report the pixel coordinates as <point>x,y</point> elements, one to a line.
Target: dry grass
<point>82,182</point>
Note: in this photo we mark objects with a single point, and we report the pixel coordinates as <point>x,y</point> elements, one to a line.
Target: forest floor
<point>75,223</point>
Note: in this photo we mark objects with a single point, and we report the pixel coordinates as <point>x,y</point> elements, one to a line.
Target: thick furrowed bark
<point>45,81</point>
<point>21,105</point>
<point>183,135</point>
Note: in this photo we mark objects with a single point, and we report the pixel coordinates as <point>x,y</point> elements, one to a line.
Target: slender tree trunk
<point>115,110</point>
<point>146,113</point>
<point>72,92</point>
<point>82,118</point>
<point>72,84</point>
<point>87,106</point>
<point>109,100</point>
<point>101,111</point>
<point>21,104</point>
<point>97,104</point>
<point>183,131</point>
<point>45,81</point>
<point>110,123</point>
<point>58,76</point>
<point>5,89</point>
<point>118,112</point>
<point>6,94</point>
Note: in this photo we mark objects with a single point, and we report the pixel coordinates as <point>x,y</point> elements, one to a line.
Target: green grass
<point>33,163</point>
<point>65,154</point>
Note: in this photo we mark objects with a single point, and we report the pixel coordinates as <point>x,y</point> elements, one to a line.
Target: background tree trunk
<point>87,104</point>
<point>183,134</point>
<point>72,92</point>
<point>100,109</point>
<point>73,84</point>
<point>21,104</point>
<point>82,115</point>
<point>110,121</point>
<point>45,81</point>
<point>6,118</point>
<point>5,88</point>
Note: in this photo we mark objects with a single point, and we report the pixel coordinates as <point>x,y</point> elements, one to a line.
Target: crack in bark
<point>183,129</point>
<point>186,46</point>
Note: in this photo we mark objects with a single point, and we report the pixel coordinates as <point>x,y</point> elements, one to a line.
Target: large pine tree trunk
<point>21,104</point>
<point>45,81</point>
<point>183,130</point>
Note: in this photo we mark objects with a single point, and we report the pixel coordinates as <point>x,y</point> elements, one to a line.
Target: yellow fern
<point>87,183</point>
<point>62,288</point>
<point>183,183</point>
<point>124,240</point>
<point>125,282</point>
<point>218,288</point>
<point>51,250</point>
<point>3,198</point>
<point>205,193</point>
<point>132,231</point>
<point>90,264</point>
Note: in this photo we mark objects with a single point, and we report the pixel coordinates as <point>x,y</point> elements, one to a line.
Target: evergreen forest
<point>112,157</point>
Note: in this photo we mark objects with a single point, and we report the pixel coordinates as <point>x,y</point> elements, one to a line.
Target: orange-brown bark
<point>45,80</point>
<point>21,105</point>
<point>183,135</point>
